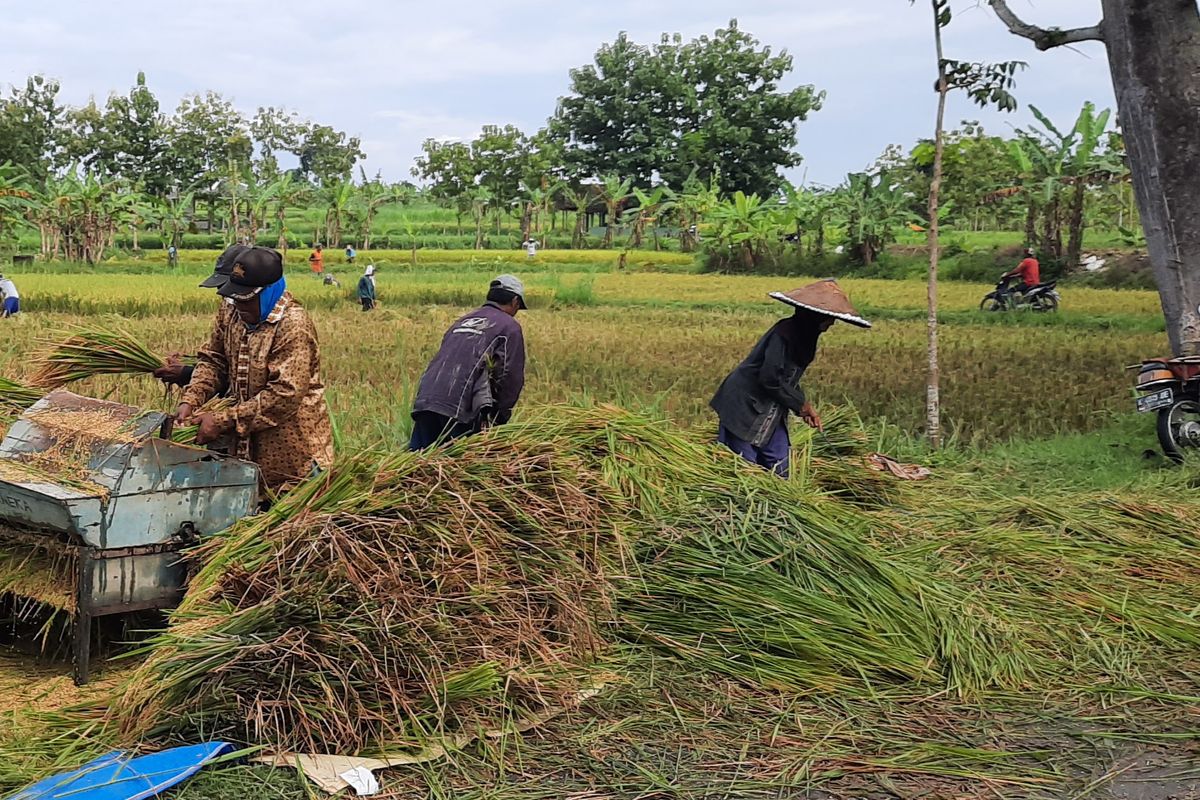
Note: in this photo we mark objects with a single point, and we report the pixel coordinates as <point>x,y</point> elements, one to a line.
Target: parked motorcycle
<point>1042,297</point>
<point>1170,387</point>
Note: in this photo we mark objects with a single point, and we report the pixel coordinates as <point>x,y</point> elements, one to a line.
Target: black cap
<point>224,265</point>
<point>250,271</point>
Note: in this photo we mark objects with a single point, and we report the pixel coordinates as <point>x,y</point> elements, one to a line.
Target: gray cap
<point>513,284</point>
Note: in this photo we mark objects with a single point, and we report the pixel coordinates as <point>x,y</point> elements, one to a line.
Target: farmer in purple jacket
<point>477,376</point>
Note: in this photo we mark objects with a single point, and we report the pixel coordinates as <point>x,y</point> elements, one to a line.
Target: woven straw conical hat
<point>823,297</point>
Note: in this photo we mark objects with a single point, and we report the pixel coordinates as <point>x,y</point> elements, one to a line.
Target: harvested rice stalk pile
<point>91,351</point>
<point>404,596</point>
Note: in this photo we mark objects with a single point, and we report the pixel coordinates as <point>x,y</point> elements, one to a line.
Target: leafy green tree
<point>500,158</point>
<point>449,169</point>
<point>134,145</point>
<point>16,200</point>
<point>328,156</point>
<point>274,130</point>
<point>33,127</point>
<point>711,106</point>
<point>210,140</point>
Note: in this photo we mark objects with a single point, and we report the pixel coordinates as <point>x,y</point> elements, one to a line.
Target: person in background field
<point>1029,271</point>
<point>531,247</point>
<point>172,257</point>
<point>477,376</point>
<point>350,254</point>
<point>366,288</point>
<point>316,260</point>
<point>263,355</point>
<point>753,402</point>
<point>10,300</point>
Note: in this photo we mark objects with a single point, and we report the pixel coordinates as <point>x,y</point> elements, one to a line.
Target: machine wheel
<point>1179,428</point>
<point>991,302</point>
<point>1045,303</point>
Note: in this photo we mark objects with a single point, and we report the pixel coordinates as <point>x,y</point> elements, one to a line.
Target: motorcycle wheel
<point>991,303</point>
<point>1175,424</point>
<point>1045,303</point>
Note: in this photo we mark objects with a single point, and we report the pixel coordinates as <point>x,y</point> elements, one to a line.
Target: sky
<point>396,72</point>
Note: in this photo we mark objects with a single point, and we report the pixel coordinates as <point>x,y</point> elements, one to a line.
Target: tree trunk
<point>1075,242</point>
<point>1154,57</point>
<point>933,406</point>
<point>1031,225</point>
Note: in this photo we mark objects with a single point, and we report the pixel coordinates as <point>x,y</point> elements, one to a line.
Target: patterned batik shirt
<point>273,375</point>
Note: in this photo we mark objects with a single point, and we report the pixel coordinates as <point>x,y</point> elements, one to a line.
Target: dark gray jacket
<point>480,368</point>
<point>756,397</point>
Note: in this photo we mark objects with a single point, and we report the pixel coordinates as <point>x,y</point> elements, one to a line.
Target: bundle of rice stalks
<point>16,396</point>
<point>835,458</point>
<point>186,434</point>
<point>403,596</point>
<point>91,351</point>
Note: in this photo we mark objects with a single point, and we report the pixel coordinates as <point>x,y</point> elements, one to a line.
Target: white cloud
<point>399,72</point>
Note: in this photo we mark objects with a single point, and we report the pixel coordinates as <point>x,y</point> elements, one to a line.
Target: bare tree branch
<point>1044,38</point>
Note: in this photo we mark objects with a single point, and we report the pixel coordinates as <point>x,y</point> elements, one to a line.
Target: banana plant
<point>650,206</point>
<point>747,227</point>
<point>615,192</point>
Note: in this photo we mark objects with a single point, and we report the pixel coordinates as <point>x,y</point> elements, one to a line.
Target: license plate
<point>1156,400</point>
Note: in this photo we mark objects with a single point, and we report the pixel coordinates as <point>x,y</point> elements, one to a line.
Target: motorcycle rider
<point>1029,271</point>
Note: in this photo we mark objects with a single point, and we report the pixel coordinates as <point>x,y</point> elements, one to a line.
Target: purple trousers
<point>773,456</point>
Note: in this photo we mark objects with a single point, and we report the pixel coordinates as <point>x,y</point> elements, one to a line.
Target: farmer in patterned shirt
<point>263,355</point>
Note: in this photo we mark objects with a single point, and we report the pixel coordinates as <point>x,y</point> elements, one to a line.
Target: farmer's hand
<point>810,417</point>
<point>183,413</point>
<point>171,372</point>
<point>208,430</point>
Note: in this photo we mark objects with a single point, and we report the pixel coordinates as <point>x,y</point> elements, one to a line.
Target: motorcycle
<point>1041,298</point>
<point>1170,387</point>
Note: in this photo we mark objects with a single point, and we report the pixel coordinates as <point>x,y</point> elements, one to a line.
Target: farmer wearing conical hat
<point>754,400</point>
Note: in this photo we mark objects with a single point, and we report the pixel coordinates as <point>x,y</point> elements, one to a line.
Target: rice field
<point>841,633</point>
<point>652,341</point>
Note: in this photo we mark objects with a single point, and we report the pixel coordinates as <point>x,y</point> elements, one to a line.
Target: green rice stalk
<point>91,351</point>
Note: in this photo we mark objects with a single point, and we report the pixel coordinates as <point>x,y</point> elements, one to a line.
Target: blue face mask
<point>268,297</point>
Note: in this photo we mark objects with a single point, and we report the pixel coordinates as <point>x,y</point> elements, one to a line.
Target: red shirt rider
<point>1029,270</point>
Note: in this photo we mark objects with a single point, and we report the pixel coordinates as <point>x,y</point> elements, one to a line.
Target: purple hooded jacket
<point>479,369</point>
